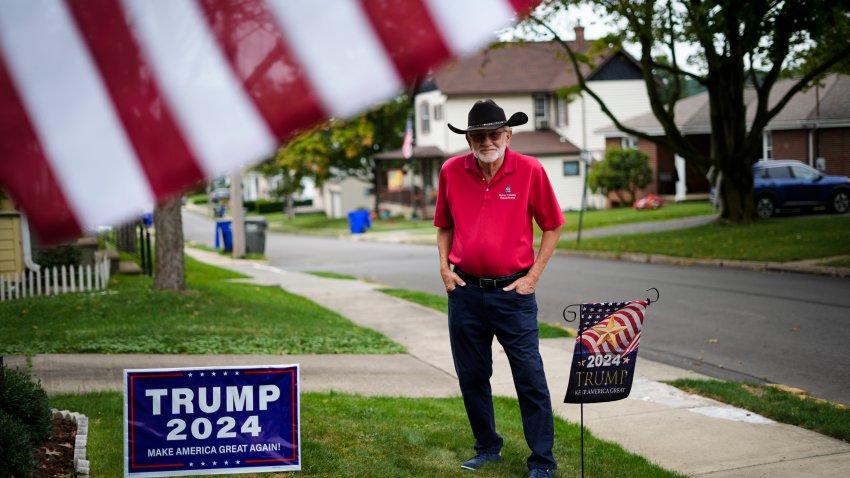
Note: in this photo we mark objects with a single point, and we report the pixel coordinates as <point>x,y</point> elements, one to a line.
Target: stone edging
<point>81,464</point>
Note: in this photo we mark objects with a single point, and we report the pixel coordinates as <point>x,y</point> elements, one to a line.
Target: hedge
<point>25,421</point>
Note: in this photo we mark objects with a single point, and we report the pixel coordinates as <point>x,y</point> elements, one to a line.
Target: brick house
<point>814,127</point>
<point>519,77</point>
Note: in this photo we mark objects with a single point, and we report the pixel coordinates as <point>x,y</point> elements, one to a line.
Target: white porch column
<point>681,184</point>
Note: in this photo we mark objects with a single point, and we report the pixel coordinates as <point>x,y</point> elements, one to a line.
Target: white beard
<point>490,156</point>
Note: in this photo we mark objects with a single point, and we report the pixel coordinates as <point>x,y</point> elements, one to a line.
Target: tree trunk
<point>290,207</point>
<point>620,196</point>
<point>376,183</point>
<point>730,144</point>
<point>170,271</point>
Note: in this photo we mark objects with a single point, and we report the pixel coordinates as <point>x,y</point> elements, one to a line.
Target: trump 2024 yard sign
<point>211,420</point>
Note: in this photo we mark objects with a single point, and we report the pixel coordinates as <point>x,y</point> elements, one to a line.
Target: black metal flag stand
<point>580,389</point>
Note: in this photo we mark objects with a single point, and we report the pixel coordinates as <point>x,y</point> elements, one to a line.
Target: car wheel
<point>765,207</point>
<point>840,202</point>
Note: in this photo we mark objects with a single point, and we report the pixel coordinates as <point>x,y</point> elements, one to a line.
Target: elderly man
<point>485,206</point>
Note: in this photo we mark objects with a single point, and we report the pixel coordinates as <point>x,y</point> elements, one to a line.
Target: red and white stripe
<point>109,105</point>
<point>627,340</point>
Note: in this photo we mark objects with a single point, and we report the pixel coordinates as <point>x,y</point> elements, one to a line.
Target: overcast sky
<point>596,26</point>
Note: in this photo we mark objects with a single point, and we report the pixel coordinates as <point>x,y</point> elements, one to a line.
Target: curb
<point>802,267</point>
<point>759,266</point>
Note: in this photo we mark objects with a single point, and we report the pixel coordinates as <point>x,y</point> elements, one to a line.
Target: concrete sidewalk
<point>686,433</point>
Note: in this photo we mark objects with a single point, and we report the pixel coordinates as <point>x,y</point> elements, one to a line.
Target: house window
<point>629,142</point>
<point>541,111</point>
<point>438,112</point>
<point>767,145</point>
<point>571,168</point>
<point>561,109</point>
<point>425,117</point>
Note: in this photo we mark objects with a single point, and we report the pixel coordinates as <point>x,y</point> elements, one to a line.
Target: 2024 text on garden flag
<point>606,351</point>
<point>107,106</point>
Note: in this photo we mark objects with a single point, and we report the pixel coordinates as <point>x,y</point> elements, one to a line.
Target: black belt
<point>489,282</point>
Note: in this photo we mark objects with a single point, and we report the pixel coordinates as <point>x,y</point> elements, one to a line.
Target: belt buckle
<point>485,283</point>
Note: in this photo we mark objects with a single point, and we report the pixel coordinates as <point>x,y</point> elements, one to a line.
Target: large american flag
<point>107,106</point>
<point>611,327</point>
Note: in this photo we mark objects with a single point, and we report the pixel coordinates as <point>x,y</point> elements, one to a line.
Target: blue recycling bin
<point>359,221</point>
<point>224,235</point>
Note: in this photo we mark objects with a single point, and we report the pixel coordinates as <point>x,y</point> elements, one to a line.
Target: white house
<point>523,77</point>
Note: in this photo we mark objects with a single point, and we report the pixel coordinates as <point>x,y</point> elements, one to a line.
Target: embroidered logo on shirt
<point>507,194</point>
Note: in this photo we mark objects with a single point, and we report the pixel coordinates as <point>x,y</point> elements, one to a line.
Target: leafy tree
<point>622,172</point>
<point>341,148</point>
<point>738,44</point>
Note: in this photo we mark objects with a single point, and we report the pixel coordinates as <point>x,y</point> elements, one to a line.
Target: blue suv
<point>780,184</point>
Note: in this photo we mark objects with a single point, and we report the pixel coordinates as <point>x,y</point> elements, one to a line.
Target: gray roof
<point>532,143</point>
<point>419,152</point>
<point>826,105</point>
<point>525,67</point>
<point>540,143</point>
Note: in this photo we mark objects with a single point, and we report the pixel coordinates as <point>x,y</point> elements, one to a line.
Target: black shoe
<point>480,460</point>
<point>541,473</point>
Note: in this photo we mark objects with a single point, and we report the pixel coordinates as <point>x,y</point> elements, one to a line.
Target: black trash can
<point>255,235</point>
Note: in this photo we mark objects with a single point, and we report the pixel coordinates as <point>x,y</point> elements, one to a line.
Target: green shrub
<point>16,454</point>
<point>64,255</point>
<point>26,401</point>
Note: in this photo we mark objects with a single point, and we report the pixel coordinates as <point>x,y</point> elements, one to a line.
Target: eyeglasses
<point>492,135</point>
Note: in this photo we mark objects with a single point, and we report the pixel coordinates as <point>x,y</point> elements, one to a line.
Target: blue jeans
<point>475,316</point>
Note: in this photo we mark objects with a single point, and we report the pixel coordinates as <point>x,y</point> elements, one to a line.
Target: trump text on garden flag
<point>606,351</point>
<point>211,420</point>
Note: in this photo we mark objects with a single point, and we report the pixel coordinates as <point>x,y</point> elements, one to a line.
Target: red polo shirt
<point>493,233</point>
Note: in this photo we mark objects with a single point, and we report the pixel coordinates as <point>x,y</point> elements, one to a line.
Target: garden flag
<point>107,106</point>
<point>606,351</point>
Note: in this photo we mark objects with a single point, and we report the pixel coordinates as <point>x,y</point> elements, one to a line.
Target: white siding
<point>568,188</point>
<point>625,98</point>
<point>438,131</point>
<point>457,112</point>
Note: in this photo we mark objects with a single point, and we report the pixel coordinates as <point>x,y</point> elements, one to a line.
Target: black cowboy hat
<point>487,115</point>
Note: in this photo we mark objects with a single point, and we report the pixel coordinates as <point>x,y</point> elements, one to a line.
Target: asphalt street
<point>785,328</point>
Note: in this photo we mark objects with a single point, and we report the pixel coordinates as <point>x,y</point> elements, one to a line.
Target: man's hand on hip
<point>451,280</point>
<point>524,285</point>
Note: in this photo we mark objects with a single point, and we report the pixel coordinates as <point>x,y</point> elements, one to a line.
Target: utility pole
<point>586,158</point>
<point>237,214</point>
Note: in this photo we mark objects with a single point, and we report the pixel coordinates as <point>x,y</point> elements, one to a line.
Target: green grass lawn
<point>777,404</point>
<point>320,224</point>
<point>843,262</point>
<point>627,215</point>
<point>778,239</point>
<point>332,275</point>
<point>352,436</point>
<point>440,303</point>
<point>214,316</point>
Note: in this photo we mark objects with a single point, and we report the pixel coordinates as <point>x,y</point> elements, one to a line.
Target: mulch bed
<point>54,457</point>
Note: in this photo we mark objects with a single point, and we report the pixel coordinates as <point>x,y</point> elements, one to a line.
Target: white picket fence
<point>55,280</point>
